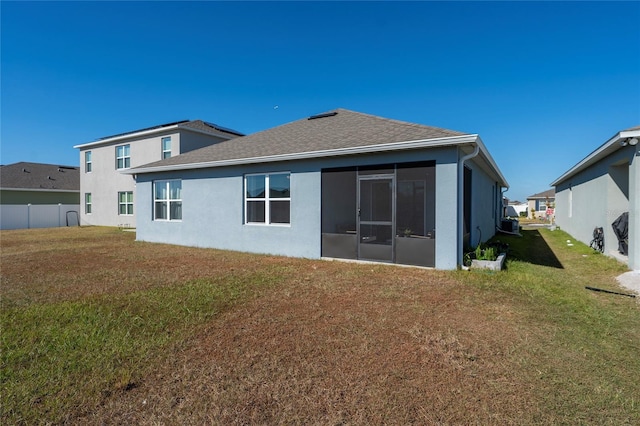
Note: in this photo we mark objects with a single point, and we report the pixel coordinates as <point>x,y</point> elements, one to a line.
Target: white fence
<point>15,216</point>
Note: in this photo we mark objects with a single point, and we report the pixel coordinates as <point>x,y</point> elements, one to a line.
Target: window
<point>87,162</point>
<point>125,203</point>
<point>87,202</point>
<point>570,202</point>
<point>268,198</point>
<point>542,206</point>
<point>167,200</point>
<point>166,147</point>
<point>123,157</point>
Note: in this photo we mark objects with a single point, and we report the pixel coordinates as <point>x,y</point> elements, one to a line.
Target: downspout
<point>461,199</point>
<point>501,216</point>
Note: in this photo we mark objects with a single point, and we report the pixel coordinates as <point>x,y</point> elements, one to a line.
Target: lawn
<point>100,329</point>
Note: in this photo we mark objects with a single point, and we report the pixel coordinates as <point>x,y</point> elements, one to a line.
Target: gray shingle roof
<point>549,193</point>
<point>25,175</point>
<point>207,126</point>
<point>334,130</point>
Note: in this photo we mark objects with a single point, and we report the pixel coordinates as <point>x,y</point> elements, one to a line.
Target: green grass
<point>57,357</point>
<point>80,334</point>
<point>581,344</point>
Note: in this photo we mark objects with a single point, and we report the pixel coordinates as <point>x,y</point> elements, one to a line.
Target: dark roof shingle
<point>26,175</point>
<point>549,193</point>
<point>327,131</point>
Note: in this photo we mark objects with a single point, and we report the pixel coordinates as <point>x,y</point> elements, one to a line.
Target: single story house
<point>341,184</point>
<point>542,203</point>
<point>36,195</point>
<point>600,189</point>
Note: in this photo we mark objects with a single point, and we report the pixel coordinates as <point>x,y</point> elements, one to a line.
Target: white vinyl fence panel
<point>14,216</point>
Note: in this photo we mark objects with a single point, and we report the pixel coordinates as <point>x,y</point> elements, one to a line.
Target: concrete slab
<point>630,280</point>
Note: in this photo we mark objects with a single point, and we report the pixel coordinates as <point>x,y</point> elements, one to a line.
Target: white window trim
<point>267,199</point>
<point>124,157</point>
<point>126,203</point>
<point>88,204</point>
<point>88,163</point>
<point>167,200</point>
<point>162,146</point>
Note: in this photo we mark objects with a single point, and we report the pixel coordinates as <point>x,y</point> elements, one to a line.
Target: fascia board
<point>602,151</point>
<point>139,135</point>
<point>492,163</point>
<point>395,146</point>
<point>127,136</point>
<point>40,190</point>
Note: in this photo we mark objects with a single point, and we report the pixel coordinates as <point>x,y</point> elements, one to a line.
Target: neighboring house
<point>542,203</point>
<point>23,186</point>
<point>516,208</point>
<point>337,185</point>
<point>599,189</point>
<point>108,194</point>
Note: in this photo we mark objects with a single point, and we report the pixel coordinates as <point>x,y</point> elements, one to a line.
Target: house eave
<point>140,134</point>
<point>72,191</point>
<point>395,146</point>
<point>609,147</point>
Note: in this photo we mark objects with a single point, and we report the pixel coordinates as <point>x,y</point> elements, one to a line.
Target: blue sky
<point>543,83</point>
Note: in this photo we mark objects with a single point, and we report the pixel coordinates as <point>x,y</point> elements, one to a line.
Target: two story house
<point>107,194</point>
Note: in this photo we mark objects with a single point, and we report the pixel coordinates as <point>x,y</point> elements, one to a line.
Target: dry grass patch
<point>193,336</point>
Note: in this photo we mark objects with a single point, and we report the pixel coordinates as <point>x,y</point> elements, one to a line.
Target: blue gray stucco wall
<point>213,206</point>
<point>596,197</point>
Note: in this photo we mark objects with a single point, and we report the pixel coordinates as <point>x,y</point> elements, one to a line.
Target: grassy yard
<point>100,329</point>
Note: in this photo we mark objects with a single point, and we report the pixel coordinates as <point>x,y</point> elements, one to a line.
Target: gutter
<point>74,191</point>
<point>461,199</point>
<point>423,143</point>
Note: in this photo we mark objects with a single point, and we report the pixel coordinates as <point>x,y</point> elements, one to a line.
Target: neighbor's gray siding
<point>190,141</point>
<point>634,212</point>
<point>596,197</point>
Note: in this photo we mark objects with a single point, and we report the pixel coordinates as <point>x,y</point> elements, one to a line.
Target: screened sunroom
<point>383,213</point>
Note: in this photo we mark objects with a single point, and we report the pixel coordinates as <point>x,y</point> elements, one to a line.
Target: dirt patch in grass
<point>63,264</point>
<point>232,338</point>
<point>340,344</point>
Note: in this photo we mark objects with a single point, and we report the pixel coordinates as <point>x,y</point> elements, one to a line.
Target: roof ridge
<point>402,122</point>
<point>39,164</point>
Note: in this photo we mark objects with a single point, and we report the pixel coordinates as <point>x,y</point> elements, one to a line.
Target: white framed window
<point>570,202</point>
<point>166,147</point>
<point>123,157</point>
<point>87,202</point>
<point>125,203</point>
<point>542,206</point>
<point>87,162</point>
<point>267,198</point>
<point>167,200</point>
